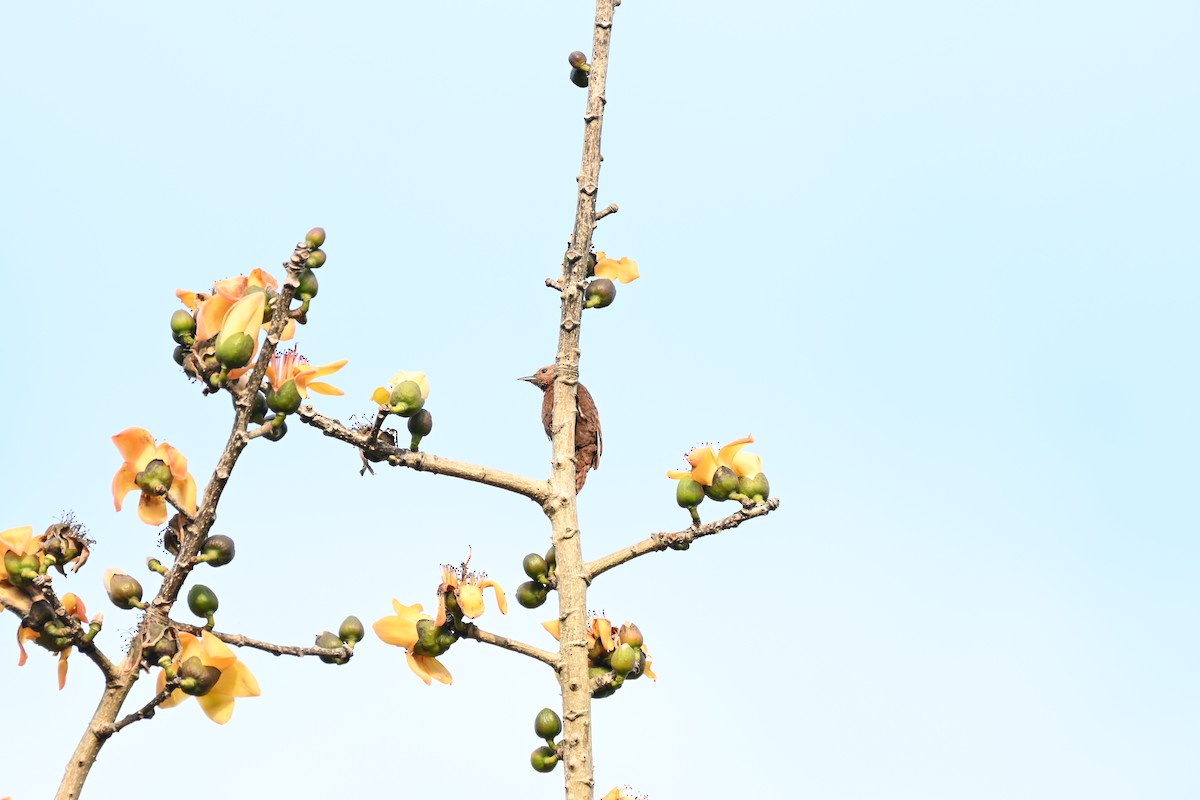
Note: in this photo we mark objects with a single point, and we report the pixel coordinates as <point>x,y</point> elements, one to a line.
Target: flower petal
<point>470,600</point>
<point>396,630</point>
<point>729,452</point>
<point>218,707</point>
<point>152,509</point>
<point>501,601</point>
<point>623,271</point>
<point>553,627</point>
<point>135,444</point>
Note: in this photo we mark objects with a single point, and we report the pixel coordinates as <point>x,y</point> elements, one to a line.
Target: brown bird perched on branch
<point>588,443</point>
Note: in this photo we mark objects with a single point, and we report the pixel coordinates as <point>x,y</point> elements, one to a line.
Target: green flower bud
<point>544,759</point>
<point>755,487</point>
<point>546,724</point>
<point>623,659</point>
<point>258,408</point>
<point>406,398</point>
<point>601,293</point>
<point>577,59</point>
<point>316,259</point>
<point>217,550</point>
<point>351,630</point>
<point>307,289</point>
<point>155,478</point>
<point>551,559</point>
<point>202,600</point>
<point>274,432</point>
<point>427,639</point>
<point>421,423</point>
<point>183,326</point>
<point>330,642</point>
<point>234,350</point>
<point>179,354</point>
<point>631,635</point>
<point>579,77</point>
<point>536,567</point>
<point>315,237</point>
<point>724,483</point>
<point>286,400</point>
<point>123,590</point>
<point>689,493</point>
<point>198,679</point>
<point>531,594</point>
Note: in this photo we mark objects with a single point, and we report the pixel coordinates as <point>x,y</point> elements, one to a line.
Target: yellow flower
<point>383,394</point>
<point>289,365</point>
<point>210,309</point>
<point>401,630</point>
<point>625,270</point>
<point>236,679</point>
<point>467,588</point>
<point>138,449</point>
<point>705,461</point>
<point>19,541</point>
<point>75,608</point>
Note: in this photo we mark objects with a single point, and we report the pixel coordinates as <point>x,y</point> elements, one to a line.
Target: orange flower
<point>138,449</point>
<point>289,365</point>
<point>705,461</point>
<point>236,679</point>
<point>210,309</point>
<point>625,270</point>
<point>467,588</point>
<point>403,629</point>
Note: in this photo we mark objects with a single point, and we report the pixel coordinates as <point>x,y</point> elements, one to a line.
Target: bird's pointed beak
<point>530,378</point>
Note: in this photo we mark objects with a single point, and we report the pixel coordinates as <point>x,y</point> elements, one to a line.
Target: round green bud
<point>689,493</point>
<point>234,350</point>
<point>202,600</point>
<point>315,237</point>
<point>330,642</point>
<point>579,77</point>
<point>155,477</point>
<point>124,590</point>
<point>551,559</point>
<point>286,400</point>
<point>406,398</point>
<point>531,594</point>
<point>623,659</point>
<point>755,487</point>
<point>577,59</point>
<point>307,289</point>
<point>275,432</point>
<point>258,408</point>
<point>421,423</point>
<point>315,260</point>
<point>179,354</point>
<point>218,550</point>
<point>631,634</point>
<point>724,483</point>
<point>198,679</point>
<point>601,293</point>
<point>546,724</point>
<point>182,321</point>
<point>544,759</point>
<point>535,567</point>
<point>351,630</point>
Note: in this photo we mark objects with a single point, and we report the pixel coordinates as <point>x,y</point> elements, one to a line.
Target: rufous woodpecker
<point>588,442</point>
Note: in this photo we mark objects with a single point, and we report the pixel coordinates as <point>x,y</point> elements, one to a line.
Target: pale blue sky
<point>940,258</point>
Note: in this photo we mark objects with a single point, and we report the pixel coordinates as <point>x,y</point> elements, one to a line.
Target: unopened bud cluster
<point>532,593</point>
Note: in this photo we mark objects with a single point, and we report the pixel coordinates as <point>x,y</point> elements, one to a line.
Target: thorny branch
<point>678,540</point>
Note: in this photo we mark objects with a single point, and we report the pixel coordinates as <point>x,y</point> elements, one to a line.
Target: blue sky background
<point>939,258</point>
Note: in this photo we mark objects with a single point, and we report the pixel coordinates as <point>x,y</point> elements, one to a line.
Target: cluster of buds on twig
<point>728,474</point>
<point>614,655</point>
<point>532,593</point>
<point>580,68</point>
<point>405,396</point>
<point>546,725</point>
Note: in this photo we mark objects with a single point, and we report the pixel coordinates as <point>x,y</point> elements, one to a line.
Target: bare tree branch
<point>238,640</point>
<point>678,540</point>
<point>378,449</point>
<point>480,635</point>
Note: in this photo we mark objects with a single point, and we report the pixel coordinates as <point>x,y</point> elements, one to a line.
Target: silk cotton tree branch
<point>190,534</point>
<point>562,509</point>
